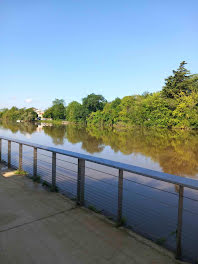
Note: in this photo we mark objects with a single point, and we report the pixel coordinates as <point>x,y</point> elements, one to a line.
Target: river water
<point>149,206</point>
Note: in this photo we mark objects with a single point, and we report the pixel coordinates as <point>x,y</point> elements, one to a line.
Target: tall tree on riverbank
<point>93,102</point>
<point>74,112</point>
<point>175,106</point>
<point>57,110</point>
<point>177,83</point>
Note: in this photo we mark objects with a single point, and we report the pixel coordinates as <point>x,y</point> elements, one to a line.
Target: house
<point>40,113</point>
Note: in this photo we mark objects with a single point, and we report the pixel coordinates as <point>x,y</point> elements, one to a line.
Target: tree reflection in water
<point>176,151</point>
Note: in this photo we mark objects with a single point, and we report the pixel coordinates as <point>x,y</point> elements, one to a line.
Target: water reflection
<point>23,128</point>
<point>57,133</point>
<point>175,151</point>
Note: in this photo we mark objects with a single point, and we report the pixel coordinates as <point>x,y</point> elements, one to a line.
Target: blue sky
<point>68,49</point>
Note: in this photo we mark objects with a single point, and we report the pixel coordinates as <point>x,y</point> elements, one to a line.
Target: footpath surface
<point>38,227</point>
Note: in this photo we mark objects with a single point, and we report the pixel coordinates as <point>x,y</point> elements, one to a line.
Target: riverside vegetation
<point>175,106</point>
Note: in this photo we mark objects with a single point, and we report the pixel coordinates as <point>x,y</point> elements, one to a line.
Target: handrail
<point>160,176</point>
<point>157,175</point>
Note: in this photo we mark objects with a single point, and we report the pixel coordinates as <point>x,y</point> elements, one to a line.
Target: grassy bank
<point>54,122</point>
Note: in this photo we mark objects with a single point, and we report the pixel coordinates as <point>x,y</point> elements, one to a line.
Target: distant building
<point>40,114</point>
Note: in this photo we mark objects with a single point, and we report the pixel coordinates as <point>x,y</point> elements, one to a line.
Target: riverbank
<point>120,126</point>
<point>54,122</point>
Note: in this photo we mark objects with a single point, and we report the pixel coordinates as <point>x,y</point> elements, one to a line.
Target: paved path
<point>37,226</point>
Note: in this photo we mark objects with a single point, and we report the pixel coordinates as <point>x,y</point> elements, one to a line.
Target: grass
<point>46,184</point>
<point>20,172</point>
<point>51,188</point>
<point>161,241</point>
<point>37,179</point>
<point>122,222</point>
<point>92,208</point>
<point>54,122</point>
<point>173,233</point>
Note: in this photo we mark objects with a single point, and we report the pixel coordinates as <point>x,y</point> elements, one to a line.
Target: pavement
<point>38,227</point>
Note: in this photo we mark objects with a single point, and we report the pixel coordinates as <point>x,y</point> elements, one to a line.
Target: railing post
<point>20,156</point>
<point>9,153</point>
<point>53,171</point>
<point>179,223</point>
<point>120,196</point>
<point>0,149</point>
<point>35,163</point>
<point>81,182</point>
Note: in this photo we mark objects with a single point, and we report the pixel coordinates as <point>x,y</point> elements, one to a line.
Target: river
<point>149,206</point>
<point>174,152</point>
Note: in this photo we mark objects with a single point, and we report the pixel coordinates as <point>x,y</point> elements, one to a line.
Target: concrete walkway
<point>37,226</point>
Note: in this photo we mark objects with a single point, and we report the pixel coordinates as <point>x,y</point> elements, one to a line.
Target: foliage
<point>92,208</point>
<point>108,116</point>
<point>37,179</point>
<point>177,83</point>
<point>176,106</point>
<point>50,186</point>
<point>56,111</point>
<point>20,172</point>
<point>15,113</point>
<point>74,112</point>
<point>93,102</point>
<point>122,222</point>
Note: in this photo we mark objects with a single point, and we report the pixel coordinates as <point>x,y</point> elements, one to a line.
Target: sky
<point>71,48</point>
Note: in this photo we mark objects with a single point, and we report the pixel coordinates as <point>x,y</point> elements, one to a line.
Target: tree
<point>58,102</point>
<point>115,103</point>
<point>29,115</point>
<point>177,83</point>
<point>106,117</point>
<point>93,102</point>
<point>57,110</point>
<point>48,113</point>
<point>74,112</point>
<point>22,114</point>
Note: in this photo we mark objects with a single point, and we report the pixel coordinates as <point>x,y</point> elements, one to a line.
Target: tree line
<point>175,106</point>
<point>15,114</point>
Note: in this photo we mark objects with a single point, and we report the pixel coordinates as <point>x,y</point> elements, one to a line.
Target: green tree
<point>48,113</point>
<point>29,115</point>
<point>3,111</point>
<point>175,106</point>
<point>107,117</point>
<point>56,111</point>
<point>177,83</point>
<point>58,102</point>
<point>93,102</point>
<point>22,114</point>
<point>75,112</point>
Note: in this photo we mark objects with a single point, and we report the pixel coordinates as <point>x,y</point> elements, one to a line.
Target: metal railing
<point>181,182</point>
